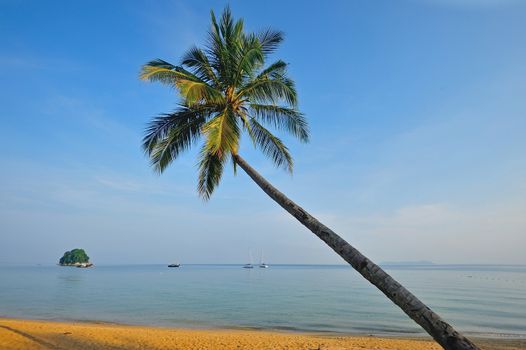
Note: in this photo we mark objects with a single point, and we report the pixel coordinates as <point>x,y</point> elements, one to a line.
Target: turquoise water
<point>482,300</point>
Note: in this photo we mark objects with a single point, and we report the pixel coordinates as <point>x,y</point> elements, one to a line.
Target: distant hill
<point>407,263</point>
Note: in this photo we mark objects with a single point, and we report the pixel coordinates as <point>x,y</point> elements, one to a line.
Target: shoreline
<point>87,335</point>
<point>287,330</point>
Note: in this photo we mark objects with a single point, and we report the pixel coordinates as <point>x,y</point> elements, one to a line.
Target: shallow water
<point>482,300</point>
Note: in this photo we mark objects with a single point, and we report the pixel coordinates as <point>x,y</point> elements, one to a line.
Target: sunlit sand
<point>44,335</point>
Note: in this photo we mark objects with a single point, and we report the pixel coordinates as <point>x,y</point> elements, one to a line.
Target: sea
<point>479,300</point>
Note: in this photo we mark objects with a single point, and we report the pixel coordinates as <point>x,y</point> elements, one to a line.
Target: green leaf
<point>222,133</point>
<point>282,118</point>
<point>168,135</point>
<point>271,146</point>
<point>210,171</point>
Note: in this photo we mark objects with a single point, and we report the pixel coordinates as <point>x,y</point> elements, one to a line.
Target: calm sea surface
<point>481,300</point>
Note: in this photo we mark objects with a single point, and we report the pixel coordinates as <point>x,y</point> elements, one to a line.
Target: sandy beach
<point>43,335</point>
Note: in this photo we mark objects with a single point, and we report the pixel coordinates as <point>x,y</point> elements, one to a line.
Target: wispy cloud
<point>76,109</point>
<point>442,232</point>
<point>120,184</point>
<point>35,61</point>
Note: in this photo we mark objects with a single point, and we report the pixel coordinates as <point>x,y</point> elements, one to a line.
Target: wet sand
<point>45,335</point>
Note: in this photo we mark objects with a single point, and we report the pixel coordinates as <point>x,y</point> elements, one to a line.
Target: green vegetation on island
<point>75,257</point>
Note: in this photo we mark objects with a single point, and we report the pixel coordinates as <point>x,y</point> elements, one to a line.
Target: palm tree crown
<point>225,89</point>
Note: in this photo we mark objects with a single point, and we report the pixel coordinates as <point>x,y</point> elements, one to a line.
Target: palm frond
<point>164,72</point>
<point>226,24</point>
<point>211,167</point>
<point>271,145</point>
<point>268,89</point>
<point>191,87</point>
<point>278,67</point>
<point>215,49</point>
<point>270,40</point>
<point>250,58</point>
<point>283,118</point>
<point>195,58</point>
<point>223,45</point>
<point>271,84</point>
<point>199,92</point>
<point>236,36</point>
<point>222,133</point>
<point>168,135</point>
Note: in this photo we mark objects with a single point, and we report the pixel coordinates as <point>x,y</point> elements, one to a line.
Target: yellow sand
<point>44,335</point>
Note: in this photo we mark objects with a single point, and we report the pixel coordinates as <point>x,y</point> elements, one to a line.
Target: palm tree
<point>226,90</point>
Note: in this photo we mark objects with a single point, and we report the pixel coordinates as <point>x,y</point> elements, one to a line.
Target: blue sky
<point>417,113</point>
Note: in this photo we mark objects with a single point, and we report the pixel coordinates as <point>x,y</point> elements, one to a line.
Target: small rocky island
<point>76,257</point>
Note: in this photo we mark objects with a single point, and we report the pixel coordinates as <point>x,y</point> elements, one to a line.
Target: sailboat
<point>262,265</point>
<point>249,265</point>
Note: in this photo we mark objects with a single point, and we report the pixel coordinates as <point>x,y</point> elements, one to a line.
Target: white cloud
<point>32,61</point>
<point>494,233</point>
<point>76,109</point>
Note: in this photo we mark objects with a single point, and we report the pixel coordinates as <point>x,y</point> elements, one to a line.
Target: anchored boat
<point>249,265</point>
<point>262,265</point>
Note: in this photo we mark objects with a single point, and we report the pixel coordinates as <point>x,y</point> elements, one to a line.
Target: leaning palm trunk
<point>439,329</point>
